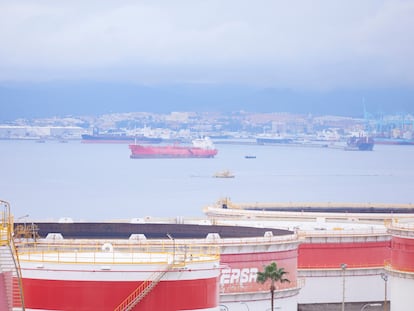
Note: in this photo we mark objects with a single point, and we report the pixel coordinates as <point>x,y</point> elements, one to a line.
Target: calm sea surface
<point>100,182</point>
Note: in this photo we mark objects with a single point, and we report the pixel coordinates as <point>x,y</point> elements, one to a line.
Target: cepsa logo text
<point>238,276</point>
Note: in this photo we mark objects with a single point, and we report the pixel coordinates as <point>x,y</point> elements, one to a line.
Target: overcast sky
<point>316,45</point>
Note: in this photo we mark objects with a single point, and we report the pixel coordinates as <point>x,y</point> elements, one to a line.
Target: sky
<point>304,46</point>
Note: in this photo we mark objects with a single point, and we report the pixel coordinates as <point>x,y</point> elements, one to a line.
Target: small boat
<point>224,174</point>
<point>250,157</point>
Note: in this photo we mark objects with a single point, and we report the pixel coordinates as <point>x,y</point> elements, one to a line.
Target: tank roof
<point>122,230</point>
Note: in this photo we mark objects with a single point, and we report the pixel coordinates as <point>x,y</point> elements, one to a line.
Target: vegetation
<point>274,274</point>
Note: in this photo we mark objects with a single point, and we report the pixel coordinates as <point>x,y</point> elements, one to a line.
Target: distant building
<point>34,132</point>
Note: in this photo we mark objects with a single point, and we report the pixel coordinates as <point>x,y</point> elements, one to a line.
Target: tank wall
<point>402,293</point>
<point>82,287</point>
<point>402,254</point>
<point>332,255</point>
<point>113,272</point>
<point>87,295</point>
<point>329,289</point>
<point>286,304</point>
<point>240,270</point>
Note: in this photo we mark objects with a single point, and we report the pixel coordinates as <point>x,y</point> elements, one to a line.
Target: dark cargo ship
<point>119,139</point>
<point>361,143</point>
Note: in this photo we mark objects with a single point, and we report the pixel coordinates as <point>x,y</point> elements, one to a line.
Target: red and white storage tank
<point>400,267</point>
<point>242,258</point>
<point>343,266</point>
<point>111,276</point>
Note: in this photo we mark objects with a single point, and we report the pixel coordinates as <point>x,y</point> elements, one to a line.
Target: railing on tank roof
<point>108,253</point>
<point>339,231</point>
<point>6,224</point>
<point>407,226</point>
<point>336,267</point>
<point>243,205</point>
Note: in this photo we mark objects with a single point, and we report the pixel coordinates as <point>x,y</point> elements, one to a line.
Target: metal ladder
<point>11,279</point>
<point>9,263</point>
<point>142,290</point>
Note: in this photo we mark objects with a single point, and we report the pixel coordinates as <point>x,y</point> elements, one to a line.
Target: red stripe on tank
<point>332,255</point>
<point>402,254</point>
<point>92,295</point>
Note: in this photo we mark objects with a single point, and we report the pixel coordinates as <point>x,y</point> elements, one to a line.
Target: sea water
<point>94,182</point>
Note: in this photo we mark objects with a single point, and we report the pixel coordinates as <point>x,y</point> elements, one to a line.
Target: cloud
<point>293,44</point>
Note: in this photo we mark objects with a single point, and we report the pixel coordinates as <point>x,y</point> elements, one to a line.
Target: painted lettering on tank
<point>238,276</point>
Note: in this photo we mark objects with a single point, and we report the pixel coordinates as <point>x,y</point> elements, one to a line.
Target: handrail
<point>145,287</point>
<point>348,232</point>
<point>142,290</point>
<point>336,267</point>
<point>120,254</point>
<point>16,262</point>
<point>265,205</point>
<point>6,230</point>
<point>406,226</point>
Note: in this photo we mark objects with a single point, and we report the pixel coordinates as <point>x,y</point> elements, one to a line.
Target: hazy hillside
<point>60,99</point>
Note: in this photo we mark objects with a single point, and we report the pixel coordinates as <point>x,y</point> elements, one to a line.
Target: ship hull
<point>119,139</point>
<point>167,156</point>
<point>361,147</point>
<point>394,141</point>
<point>273,141</point>
<point>361,143</point>
<point>147,152</point>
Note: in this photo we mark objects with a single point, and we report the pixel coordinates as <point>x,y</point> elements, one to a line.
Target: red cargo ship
<point>201,148</point>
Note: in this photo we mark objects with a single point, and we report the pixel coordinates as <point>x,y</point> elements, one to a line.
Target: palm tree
<point>274,274</point>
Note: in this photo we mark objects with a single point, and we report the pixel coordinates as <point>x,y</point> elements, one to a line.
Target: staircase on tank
<point>11,292</point>
<point>9,282</point>
<point>142,290</point>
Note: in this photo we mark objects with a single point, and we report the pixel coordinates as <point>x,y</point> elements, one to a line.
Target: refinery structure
<point>338,256</point>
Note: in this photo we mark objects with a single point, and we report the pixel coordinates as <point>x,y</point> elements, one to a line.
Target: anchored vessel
<point>394,141</point>
<point>119,139</point>
<point>265,140</point>
<point>201,148</point>
<point>362,143</point>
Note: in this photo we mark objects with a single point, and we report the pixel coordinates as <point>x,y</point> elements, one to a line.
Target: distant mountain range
<point>63,99</point>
